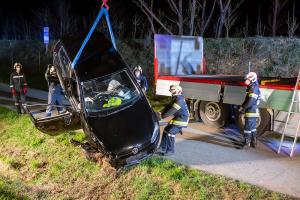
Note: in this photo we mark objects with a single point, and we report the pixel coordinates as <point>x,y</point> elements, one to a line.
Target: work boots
<point>250,142</point>
<point>253,141</point>
<point>247,143</point>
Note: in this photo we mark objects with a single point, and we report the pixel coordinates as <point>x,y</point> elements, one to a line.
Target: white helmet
<point>176,88</point>
<point>138,68</point>
<point>113,85</point>
<point>252,77</point>
<point>17,65</point>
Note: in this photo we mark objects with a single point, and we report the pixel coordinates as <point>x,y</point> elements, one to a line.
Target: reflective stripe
<point>11,86</point>
<point>253,95</point>
<point>247,131</point>
<point>253,130</point>
<point>252,115</point>
<point>25,83</point>
<point>170,135</point>
<point>176,106</point>
<point>114,101</point>
<point>179,123</point>
<point>18,76</point>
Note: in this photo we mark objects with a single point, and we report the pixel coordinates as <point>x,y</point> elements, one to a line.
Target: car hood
<point>126,129</point>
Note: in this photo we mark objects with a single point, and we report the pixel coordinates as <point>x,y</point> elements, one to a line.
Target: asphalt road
<point>219,152</point>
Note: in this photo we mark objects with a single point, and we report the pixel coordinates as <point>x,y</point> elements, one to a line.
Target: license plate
<point>136,157</point>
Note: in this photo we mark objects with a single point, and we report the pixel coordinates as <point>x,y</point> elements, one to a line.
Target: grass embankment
<point>38,166</point>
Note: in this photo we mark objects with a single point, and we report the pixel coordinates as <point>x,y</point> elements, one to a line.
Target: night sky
<point>125,9</point>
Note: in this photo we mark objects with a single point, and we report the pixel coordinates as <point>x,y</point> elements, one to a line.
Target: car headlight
<point>155,133</point>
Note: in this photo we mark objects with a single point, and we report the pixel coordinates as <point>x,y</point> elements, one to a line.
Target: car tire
<point>214,113</point>
<point>262,125</point>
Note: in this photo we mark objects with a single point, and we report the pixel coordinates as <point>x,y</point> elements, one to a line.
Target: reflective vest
<point>179,109</point>
<point>252,101</point>
<point>17,81</point>
<point>113,102</point>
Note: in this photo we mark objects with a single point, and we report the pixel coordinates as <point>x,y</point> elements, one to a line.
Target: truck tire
<point>263,123</point>
<point>214,113</point>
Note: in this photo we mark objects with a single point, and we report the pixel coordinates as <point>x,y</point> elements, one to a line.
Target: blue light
<point>46,35</point>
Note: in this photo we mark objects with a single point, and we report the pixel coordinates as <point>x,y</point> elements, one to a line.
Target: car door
<point>68,79</point>
<point>68,118</point>
<point>57,123</point>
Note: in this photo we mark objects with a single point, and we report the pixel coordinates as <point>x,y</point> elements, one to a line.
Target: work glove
<point>25,90</point>
<point>13,91</point>
<point>241,110</point>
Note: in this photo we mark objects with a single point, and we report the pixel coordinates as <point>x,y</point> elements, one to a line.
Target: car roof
<point>98,58</point>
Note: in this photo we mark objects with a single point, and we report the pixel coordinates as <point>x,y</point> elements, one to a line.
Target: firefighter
<point>18,87</point>
<point>141,79</point>
<point>179,109</point>
<point>55,91</point>
<point>250,109</point>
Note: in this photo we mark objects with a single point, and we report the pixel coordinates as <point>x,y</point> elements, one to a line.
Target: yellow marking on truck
<point>269,81</point>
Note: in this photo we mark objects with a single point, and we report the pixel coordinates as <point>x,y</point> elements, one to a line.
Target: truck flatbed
<point>264,82</point>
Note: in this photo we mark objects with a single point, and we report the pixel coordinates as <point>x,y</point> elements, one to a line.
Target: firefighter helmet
<point>113,85</point>
<point>252,77</point>
<point>138,68</point>
<point>175,89</point>
<point>17,64</point>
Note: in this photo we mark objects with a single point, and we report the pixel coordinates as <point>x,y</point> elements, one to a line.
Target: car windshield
<point>109,94</point>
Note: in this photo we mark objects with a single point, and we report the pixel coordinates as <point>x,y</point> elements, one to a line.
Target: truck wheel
<point>214,113</point>
<point>263,122</point>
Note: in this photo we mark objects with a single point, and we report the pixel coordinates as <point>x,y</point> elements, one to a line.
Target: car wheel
<point>214,113</point>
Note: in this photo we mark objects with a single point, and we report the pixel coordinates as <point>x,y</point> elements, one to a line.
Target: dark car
<point>104,99</point>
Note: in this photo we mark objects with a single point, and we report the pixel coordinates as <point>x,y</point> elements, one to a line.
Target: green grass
<point>38,166</point>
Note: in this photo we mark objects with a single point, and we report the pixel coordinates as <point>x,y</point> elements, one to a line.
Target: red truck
<point>216,98</point>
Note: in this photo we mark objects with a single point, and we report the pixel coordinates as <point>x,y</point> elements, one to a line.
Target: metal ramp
<point>293,102</point>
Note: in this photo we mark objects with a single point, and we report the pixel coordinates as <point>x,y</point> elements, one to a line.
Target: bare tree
<point>65,21</point>
<point>180,20</point>
<point>259,30</point>
<point>292,23</point>
<point>246,28</point>
<point>148,11</point>
<point>136,21</point>
<point>43,16</point>
<point>26,29</point>
<point>205,19</point>
<point>230,20</point>
<point>224,6</point>
<point>177,9</point>
<point>277,6</point>
<point>193,8</point>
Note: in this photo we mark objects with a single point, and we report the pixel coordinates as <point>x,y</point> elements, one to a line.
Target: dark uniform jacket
<point>179,109</point>
<point>252,101</point>
<point>18,82</point>
<point>52,78</point>
<point>142,82</point>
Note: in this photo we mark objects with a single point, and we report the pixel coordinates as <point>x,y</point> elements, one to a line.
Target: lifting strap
<point>103,11</point>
